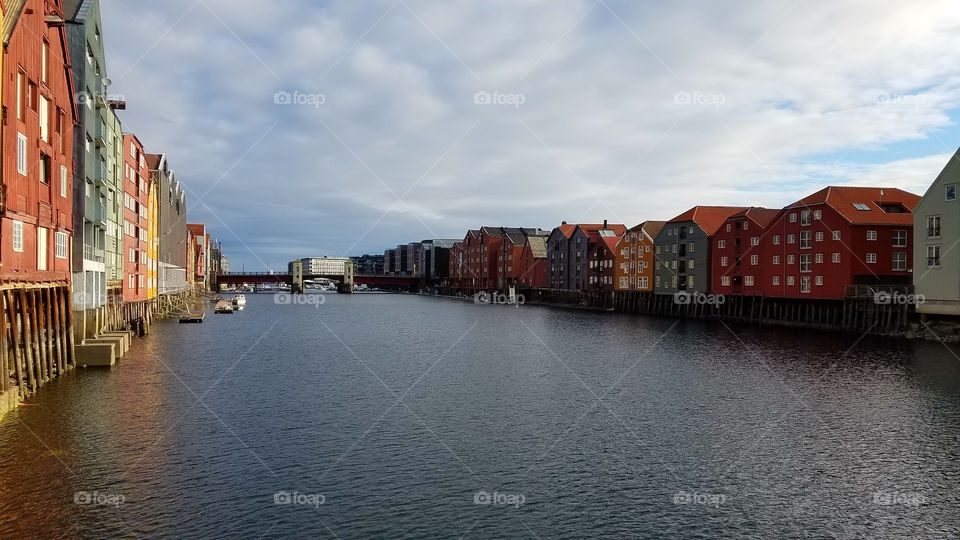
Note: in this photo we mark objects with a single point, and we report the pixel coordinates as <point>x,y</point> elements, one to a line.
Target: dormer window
<point>893,208</point>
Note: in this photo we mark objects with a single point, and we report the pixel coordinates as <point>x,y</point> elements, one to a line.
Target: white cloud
<point>708,103</point>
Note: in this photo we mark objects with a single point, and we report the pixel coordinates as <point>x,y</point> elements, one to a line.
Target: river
<point>393,416</point>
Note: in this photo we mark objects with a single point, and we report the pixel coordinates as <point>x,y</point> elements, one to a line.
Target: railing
<point>870,291</point>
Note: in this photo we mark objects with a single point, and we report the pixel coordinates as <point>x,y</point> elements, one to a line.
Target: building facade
<point>533,262</point>
<point>37,139</point>
<point>568,248</point>
<point>601,263</point>
<point>682,250</point>
<point>839,237</point>
<point>739,265</point>
<point>936,225</point>
<point>171,226</point>
<point>135,230</point>
<point>198,256</point>
<point>635,260</point>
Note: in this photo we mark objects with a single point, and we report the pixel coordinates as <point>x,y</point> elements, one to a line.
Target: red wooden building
<point>136,219</point>
<point>533,261</point>
<point>837,237</point>
<point>37,138</point>
<point>737,263</point>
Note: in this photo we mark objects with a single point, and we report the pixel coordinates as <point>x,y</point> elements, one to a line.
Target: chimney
<point>563,222</point>
<point>604,224</point>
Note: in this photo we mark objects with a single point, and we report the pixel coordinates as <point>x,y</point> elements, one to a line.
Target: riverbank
<point>859,316</point>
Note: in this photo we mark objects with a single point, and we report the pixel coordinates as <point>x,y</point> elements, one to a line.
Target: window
<point>131,282</point>
<point>805,240</point>
<point>41,249</point>
<point>725,281</point>
<point>690,264</point>
<point>748,281</point>
<point>836,234</point>
<point>791,280</point>
<point>818,258</point>
<point>690,247</point>
<point>793,217</point>
<point>819,281</point>
<point>817,215</point>
<point>776,259</point>
<point>861,206</point>
<point>805,217</point>
<point>899,261</point>
<point>755,241</point>
<point>805,263</point>
<point>723,261</point>
<point>871,258</point>
<point>18,236</point>
<point>722,243</point>
<point>791,239</point>
<point>933,226</point>
<point>754,260</point>
<point>900,238</point>
<point>933,255</point>
<point>776,240</point>
<point>872,236</point>
<point>63,180</point>
<point>791,259</point>
<point>950,192</point>
<point>45,168</point>
<point>819,236</point>
<point>61,239</point>
<point>22,154</point>
<point>729,227</point>
<point>44,119</point>
<point>805,284</point>
<point>836,257</point>
<point>32,95</point>
<point>690,283</point>
<point>776,280</point>
<point>21,90</point>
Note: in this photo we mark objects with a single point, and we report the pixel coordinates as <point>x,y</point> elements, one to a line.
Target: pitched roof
<point>761,216</point>
<point>709,218</point>
<point>861,205</point>
<point>153,161</point>
<point>610,242</point>
<point>566,229</point>
<point>538,246</point>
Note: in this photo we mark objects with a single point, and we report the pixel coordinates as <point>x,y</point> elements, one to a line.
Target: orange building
<point>634,263</point>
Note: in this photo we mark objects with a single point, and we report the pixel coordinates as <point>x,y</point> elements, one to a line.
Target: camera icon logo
<point>282,98</point>
<point>282,497</point>
<point>482,497</point>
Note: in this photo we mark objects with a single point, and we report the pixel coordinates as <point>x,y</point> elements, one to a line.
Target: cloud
<point>597,109</point>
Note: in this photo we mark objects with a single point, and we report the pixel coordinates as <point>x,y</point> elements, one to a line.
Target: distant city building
<point>368,264</point>
<point>321,266</point>
<point>388,262</point>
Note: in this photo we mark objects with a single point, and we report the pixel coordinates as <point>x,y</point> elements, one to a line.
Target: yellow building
<point>153,239</point>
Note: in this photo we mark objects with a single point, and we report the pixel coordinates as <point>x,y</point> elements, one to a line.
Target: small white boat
<point>239,300</point>
<point>223,307</point>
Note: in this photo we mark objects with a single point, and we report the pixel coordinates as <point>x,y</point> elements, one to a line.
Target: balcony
<point>91,253</point>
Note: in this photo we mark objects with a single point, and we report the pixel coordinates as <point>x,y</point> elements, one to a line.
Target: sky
<point>304,128</point>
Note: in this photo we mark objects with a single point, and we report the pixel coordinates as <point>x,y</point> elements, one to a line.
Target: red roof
<point>844,198</point>
<point>567,229</point>
<point>761,216</point>
<point>611,242</point>
<point>593,229</point>
<point>709,218</point>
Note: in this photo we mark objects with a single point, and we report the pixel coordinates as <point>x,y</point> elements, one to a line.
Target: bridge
<point>262,278</point>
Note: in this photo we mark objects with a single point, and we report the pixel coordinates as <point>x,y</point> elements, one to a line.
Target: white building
<point>324,266</point>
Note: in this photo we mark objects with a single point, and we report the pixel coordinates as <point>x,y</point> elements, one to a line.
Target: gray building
<point>172,226</point>
<point>567,249</point>
<point>434,260</point>
<point>98,159</point>
<point>388,256</point>
<point>682,249</point>
<point>936,258</point>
